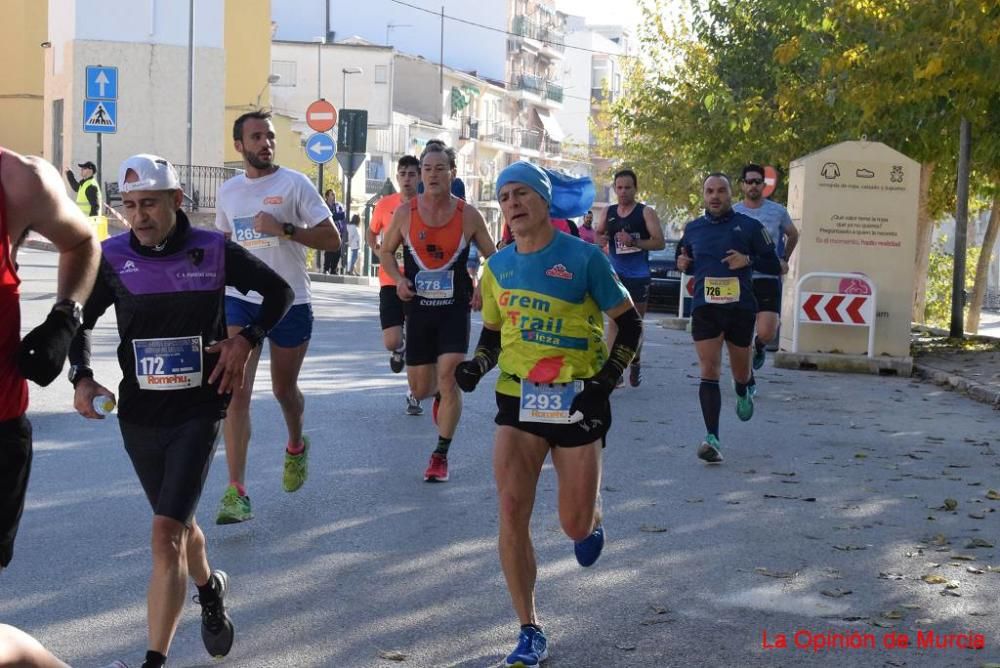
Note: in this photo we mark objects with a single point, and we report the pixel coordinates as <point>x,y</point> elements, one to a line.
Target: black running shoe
<point>396,362</point>
<point>216,627</point>
<point>635,375</point>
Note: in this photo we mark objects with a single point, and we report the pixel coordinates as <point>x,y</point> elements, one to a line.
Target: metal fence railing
<point>201,184</point>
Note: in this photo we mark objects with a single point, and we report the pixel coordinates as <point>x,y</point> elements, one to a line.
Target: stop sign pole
<point>321,116</point>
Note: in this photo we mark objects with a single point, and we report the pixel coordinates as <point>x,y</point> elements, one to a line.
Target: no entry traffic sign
<point>321,116</point>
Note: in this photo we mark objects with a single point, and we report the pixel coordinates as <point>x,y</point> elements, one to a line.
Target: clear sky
<point>617,12</point>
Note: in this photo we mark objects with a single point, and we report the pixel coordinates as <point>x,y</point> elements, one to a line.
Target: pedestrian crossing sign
<point>100,116</point>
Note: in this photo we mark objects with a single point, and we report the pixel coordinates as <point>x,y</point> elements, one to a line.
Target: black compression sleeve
<point>626,344</point>
<point>488,348</point>
<point>765,258</point>
<point>245,273</point>
<point>101,297</point>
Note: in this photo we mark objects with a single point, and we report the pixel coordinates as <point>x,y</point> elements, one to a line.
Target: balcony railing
<point>530,82</point>
<point>373,186</point>
<point>531,139</point>
<point>553,147</point>
<point>497,132</point>
<point>554,39</point>
<point>470,128</point>
<point>525,27</point>
<point>201,184</point>
<point>554,92</point>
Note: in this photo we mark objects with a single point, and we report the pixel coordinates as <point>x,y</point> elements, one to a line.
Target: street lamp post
<point>343,105</point>
<point>320,41</point>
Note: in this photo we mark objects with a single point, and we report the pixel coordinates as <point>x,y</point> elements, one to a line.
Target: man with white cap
<point>542,301</point>
<point>167,280</point>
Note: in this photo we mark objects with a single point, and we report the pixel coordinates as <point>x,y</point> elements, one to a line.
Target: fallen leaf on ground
<point>993,495</point>
<point>978,542</point>
<point>973,569</point>
<point>934,579</point>
<point>879,623</point>
<point>949,592</point>
<point>893,614</point>
<point>978,516</point>
<point>652,528</point>
<point>659,609</point>
<point>963,557</point>
<point>849,548</point>
<point>774,574</point>
<point>836,593</point>
<point>625,647</point>
<point>890,576</point>
<point>391,655</point>
<point>949,504</point>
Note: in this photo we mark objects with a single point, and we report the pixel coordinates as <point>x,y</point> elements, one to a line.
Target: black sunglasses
<point>753,182</point>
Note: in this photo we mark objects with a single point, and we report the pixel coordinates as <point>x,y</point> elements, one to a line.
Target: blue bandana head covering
<point>530,175</point>
<point>572,196</point>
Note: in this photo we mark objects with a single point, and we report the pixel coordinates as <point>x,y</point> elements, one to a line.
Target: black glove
<point>592,402</point>
<point>469,373</point>
<point>43,351</point>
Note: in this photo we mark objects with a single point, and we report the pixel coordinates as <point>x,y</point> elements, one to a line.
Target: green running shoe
<point>759,355</point>
<point>234,508</point>
<point>710,450</point>
<point>744,406</point>
<point>296,468</point>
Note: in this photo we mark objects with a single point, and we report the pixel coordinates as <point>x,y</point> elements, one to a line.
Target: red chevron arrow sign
<point>836,309</point>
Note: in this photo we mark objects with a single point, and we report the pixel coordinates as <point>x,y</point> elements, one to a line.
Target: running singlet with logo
<point>628,261</point>
<point>169,307</point>
<point>13,387</point>
<point>549,307</point>
<point>434,260</point>
<point>708,240</point>
<point>381,218</point>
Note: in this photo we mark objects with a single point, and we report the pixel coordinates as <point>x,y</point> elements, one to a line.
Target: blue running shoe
<point>759,355</point>
<point>744,405</point>
<point>532,648</point>
<point>710,450</point>
<point>589,549</point>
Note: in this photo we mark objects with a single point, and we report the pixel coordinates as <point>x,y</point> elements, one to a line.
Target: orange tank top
<point>435,248</point>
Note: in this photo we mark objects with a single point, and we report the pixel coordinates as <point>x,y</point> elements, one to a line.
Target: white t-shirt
<point>353,237</point>
<point>288,196</point>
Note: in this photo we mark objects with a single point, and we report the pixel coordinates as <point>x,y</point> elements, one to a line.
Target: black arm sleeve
<point>92,200</point>
<point>488,348</point>
<point>573,229</point>
<point>765,256</point>
<point>101,297</point>
<point>626,344</point>
<point>245,273</point>
<point>73,183</point>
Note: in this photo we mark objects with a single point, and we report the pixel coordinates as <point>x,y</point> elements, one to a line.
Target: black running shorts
<point>736,324</point>
<point>15,469</point>
<point>172,463</point>
<point>434,331</point>
<point>768,294</point>
<point>390,307</point>
<point>557,435</point>
<point>638,288</point>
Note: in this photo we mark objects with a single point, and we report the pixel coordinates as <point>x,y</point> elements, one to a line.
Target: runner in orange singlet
<point>435,230</point>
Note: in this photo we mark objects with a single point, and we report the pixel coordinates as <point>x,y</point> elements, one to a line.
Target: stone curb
<point>978,391</point>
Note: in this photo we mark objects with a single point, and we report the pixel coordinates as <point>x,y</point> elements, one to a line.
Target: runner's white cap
<point>154,172</point>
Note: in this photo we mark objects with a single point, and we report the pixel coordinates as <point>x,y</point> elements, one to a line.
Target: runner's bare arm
<point>322,236</point>
<point>391,240</point>
<point>655,240</point>
<point>36,199</point>
<point>601,228</point>
<point>480,234</point>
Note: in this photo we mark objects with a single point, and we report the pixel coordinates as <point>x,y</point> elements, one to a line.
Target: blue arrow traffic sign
<point>100,116</point>
<point>320,148</point>
<point>102,82</point>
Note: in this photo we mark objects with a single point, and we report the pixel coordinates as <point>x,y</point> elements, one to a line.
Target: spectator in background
<point>353,244</point>
<point>87,189</point>
<point>331,259</point>
<point>587,228</point>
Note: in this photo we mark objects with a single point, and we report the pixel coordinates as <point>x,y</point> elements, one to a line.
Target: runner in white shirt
<point>275,213</point>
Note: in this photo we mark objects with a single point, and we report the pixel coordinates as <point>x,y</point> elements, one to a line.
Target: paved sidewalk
<point>973,369</point>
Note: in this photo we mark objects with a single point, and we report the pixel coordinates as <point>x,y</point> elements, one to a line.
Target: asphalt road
<point>837,485</point>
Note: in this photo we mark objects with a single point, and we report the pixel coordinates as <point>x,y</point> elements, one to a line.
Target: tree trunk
<point>925,233</point>
<point>983,269</point>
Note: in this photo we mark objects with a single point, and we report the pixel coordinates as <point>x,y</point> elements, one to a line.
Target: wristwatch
<point>288,229</point>
<point>254,334</point>
<point>70,308</point>
<point>78,372</point>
